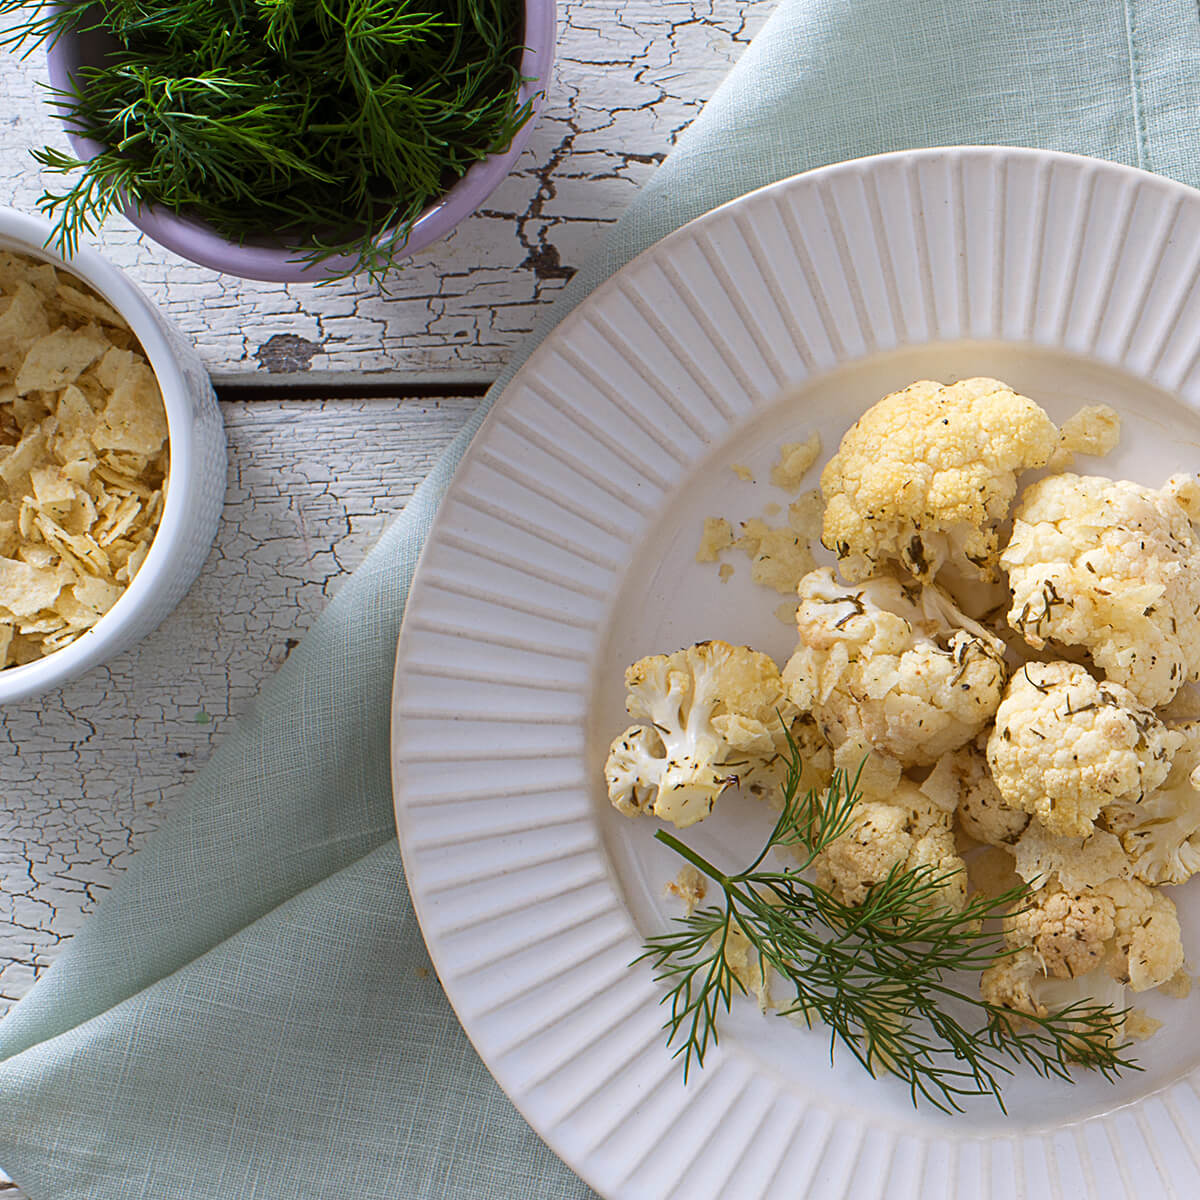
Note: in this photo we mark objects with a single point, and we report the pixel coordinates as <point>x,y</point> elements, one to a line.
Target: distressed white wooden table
<point>87,772</point>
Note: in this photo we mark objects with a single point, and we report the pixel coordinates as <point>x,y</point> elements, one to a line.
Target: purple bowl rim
<point>200,243</point>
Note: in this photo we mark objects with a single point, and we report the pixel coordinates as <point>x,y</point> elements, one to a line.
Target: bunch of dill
<point>878,977</point>
<point>313,121</point>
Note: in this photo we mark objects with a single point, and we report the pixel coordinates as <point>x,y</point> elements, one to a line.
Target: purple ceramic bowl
<point>276,261</point>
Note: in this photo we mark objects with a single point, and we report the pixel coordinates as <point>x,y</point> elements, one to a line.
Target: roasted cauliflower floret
<point>1161,832</point>
<point>1114,568</point>
<point>981,812</point>
<point>1064,746</point>
<point>904,831</point>
<point>1070,932</point>
<point>706,715</point>
<point>1020,983</point>
<point>1147,950</point>
<point>765,777</point>
<point>893,665</point>
<point>926,475</point>
<point>1076,862</point>
<point>1120,931</point>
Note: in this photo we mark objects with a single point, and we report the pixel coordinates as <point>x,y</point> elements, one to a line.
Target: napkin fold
<point>250,1013</point>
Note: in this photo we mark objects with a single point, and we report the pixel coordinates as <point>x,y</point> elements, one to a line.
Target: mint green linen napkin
<point>244,1016</point>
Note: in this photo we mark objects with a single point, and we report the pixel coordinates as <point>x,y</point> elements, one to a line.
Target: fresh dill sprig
<point>330,123</point>
<point>877,975</point>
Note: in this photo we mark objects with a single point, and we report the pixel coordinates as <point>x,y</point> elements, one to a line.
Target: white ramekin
<point>197,484</point>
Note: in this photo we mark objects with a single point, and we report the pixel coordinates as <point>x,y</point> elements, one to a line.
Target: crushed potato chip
<point>780,558</point>
<point>743,472</point>
<point>1139,1025</point>
<point>717,536</point>
<point>689,886</point>
<point>84,458</point>
<point>796,459</point>
<point>1179,986</point>
<point>1094,429</point>
<point>806,515</point>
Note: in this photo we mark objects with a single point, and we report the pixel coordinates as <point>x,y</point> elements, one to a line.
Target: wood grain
<point>628,77</point>
<point>88,771</point>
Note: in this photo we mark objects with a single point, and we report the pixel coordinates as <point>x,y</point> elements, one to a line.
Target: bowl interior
<point>27,235</point>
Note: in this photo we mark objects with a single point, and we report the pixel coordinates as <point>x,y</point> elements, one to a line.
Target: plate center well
<point>668,600</point>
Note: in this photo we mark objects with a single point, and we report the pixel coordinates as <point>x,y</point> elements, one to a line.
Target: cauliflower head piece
<point>1065,745</point>
<point>925,476</point>
<point>1099,939</point>
<point>903,831</point>
<point>979,808</point>
<point>706,714</point>
<point>1076,862</point>
<point>893,665</point>
<point>1161,831</point>
<point>1114,568</point>
<point>765,777</point>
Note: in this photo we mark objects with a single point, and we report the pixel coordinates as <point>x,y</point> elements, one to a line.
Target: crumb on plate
<point>689,886</point>
<point>796,459</point>
<point>717,536</point>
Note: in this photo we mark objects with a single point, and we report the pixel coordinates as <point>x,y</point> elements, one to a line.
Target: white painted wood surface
<point>628,76</point>
<point>88,772</point>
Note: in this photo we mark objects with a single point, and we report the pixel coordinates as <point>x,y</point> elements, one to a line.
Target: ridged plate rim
<point>544,866</point>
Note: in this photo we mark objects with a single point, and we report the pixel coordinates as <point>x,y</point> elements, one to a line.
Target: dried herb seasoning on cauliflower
<point>1065,745</point>
<point>1076,862</point>
<point>707,714</point>
<point>1121,931</point>
<point>981,812</point>
<point>904,831</point>
<point>1114,568</point>
<point>1161,832</point>
<point>893,665</point>
<point>765,777</point>
<point>926,475</point>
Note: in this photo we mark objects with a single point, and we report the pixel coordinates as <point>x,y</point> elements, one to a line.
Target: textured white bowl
<point>197,483</point>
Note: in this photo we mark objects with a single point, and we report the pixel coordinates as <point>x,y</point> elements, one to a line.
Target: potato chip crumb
<point>877,773</point>
<point>786,612</point>
<point>746,964</point>
<point>1094,429</point>
<point>1139,1025</point>
<point>742,471</point>
<point>1178,987</point>
<point>690,886</point>
<point>725,571</point>
<point>1060,460</point>
<point>84,458</point>
<point>772,509</point>
<point>806,515</point>
<point>717,536</point>
<point>780,558</point>
<point>1186,490</point>
<point>1185,706</point>
<point>796,459</point>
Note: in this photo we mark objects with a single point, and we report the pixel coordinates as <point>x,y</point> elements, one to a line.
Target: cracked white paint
<point>628,76</point>
<point>88,771</point>
<point>91,770</point>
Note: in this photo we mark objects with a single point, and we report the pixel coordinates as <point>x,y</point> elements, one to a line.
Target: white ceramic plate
<point>565,549</point>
